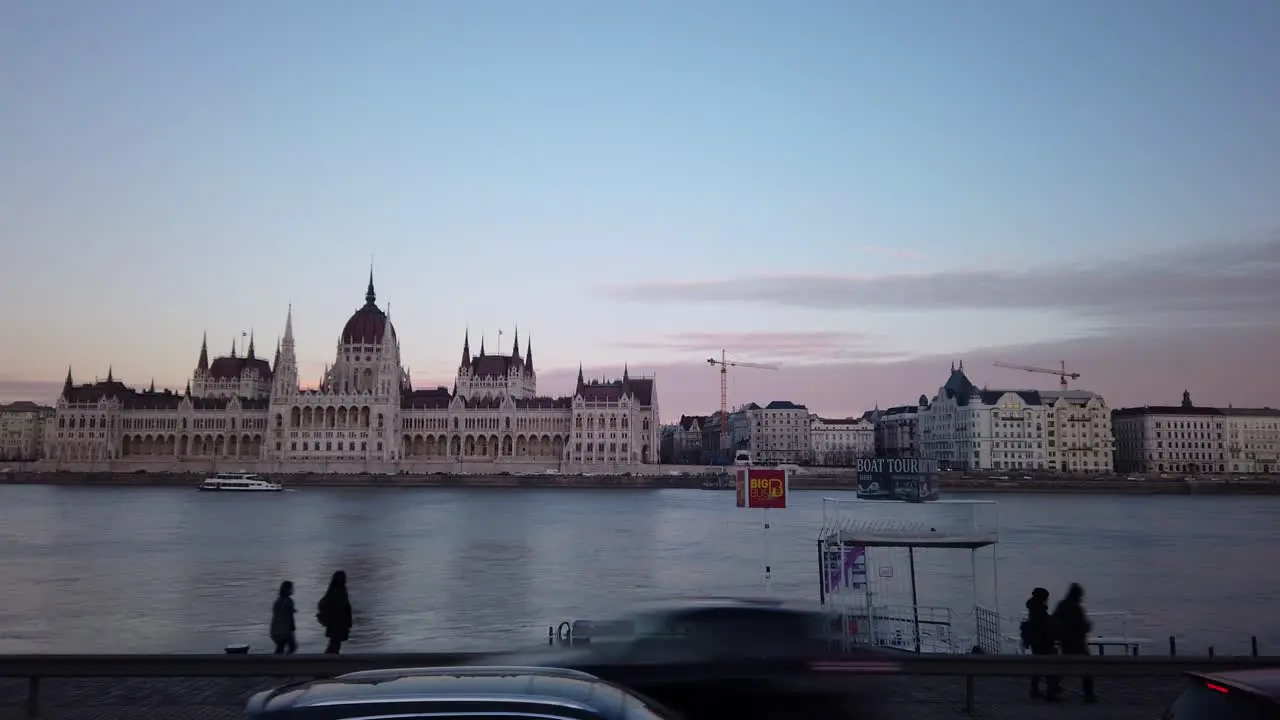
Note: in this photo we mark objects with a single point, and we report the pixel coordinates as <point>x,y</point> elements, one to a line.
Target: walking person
<point>1072,627</point>
<point>334,613</point>
<point>1037,636</point>
<point>282,621</point>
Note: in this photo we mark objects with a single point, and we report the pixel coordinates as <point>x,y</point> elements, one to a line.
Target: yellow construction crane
<point>725,364</point>
<point>1062,373</point>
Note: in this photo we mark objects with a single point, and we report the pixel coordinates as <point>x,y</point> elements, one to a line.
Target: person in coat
<point>334,613</point>
<point>282,621</point>
<point>1072,627</point>
<point>1037,636</point>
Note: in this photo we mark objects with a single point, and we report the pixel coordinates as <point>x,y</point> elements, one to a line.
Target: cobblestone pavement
<point>911,698</point>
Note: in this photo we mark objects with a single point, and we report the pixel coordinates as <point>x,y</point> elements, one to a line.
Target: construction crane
<point>1062,373</point>
<point>725,364</point>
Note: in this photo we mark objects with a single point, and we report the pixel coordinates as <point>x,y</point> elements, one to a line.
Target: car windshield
<point>1207,701</point>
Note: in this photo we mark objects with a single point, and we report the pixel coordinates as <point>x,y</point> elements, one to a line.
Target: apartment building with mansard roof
<point>965,427</point>
<point>1189,440</point>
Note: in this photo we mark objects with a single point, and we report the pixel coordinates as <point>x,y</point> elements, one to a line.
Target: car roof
<point>1259,681</point>
<point>534,685</point>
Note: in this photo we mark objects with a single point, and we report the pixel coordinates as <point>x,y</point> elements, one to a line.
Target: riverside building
<point>1191,440</point>
<point>965,427</point>
<point>240,411</point>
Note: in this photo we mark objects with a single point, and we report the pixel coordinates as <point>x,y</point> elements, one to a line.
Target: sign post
<point>763,489</point>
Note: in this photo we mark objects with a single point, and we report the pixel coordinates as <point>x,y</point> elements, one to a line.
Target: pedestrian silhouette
<point>1037,636</point>
<point>282,625</point>
<point>334,613</point>
<point>1072,627</point>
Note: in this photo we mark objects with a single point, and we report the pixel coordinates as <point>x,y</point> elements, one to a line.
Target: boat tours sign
<point>762,488</point>
<point>911,479</point>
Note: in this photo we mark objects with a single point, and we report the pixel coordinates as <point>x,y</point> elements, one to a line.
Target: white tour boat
<point>240,482</point>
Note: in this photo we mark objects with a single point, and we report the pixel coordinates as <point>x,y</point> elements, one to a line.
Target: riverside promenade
<point>914,697</point>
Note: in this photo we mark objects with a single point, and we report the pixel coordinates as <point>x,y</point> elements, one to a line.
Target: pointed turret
<point>233,347</point>
<point>250,355</point>
<point>110,374</point>
<point>370,297</point>
<point>275,363</point>
<point>466,349</point>
<point>203,363</point>
<point>288,328</point>
<point>152,387</point>
<point>528,356</point>
<point>515,348</point>
<point>187,392</point>
<point>581,381</point>
<point>68,384</point>
<point>481,346</point>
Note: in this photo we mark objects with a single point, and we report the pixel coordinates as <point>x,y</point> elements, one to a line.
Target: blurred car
<point>723,657</point>
<point>475,693</point>
<point>1232,695</point>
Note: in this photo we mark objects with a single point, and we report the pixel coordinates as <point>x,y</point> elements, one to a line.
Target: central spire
<point>370,297</point>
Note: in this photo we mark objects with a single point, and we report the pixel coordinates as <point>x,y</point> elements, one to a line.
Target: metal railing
<point>35,668</point>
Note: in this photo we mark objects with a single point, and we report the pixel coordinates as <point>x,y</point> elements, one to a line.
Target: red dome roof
<point>367,325</point>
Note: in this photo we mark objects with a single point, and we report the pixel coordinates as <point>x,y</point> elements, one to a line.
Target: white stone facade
<point>1190,440</point>
<point>241,412</point>
<point>841,441</point>
<point>967,428</point>
<point>22,429</point>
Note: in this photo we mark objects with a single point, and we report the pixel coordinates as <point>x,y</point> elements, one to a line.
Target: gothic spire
<point>626,373</point>
<point>203,363</point>
<point>288,328</point>
<point>370,297</point>
<point>466,348</point>
<point>481,346</point>
<point>528,356</point>
<point>250,355</point>
<point>233,347</point>
<point>515,349</point>
<point>68,385</point>
<point>581,382</point>
<point>152,388</point>
<point>110,375</point>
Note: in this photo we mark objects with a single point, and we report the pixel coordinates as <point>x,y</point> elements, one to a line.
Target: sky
<point>856,193</point>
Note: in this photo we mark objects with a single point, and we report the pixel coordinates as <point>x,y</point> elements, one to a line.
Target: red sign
<point>766,488</point>
<point>740,484</point>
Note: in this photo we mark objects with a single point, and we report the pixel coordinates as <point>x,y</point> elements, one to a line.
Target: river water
<point>172,570</point>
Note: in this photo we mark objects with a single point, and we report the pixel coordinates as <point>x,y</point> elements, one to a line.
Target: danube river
<point>173,570</point>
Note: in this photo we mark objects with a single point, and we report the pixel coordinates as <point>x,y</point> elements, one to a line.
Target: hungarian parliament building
<point>242,413</point>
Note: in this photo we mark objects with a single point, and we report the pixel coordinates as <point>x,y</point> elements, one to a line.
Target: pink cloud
<point>1219,366</point>
<point>804,347</point>
<point>1208,285</point>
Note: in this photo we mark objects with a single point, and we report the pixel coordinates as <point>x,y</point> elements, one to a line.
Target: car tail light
<point>1216,688</point>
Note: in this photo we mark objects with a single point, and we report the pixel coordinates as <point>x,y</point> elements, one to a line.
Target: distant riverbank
<point>811,480</point>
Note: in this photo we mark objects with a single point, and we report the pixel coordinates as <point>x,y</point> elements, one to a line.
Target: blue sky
<point>167,168</point>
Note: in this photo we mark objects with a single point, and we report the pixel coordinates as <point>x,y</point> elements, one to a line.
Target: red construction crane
<point>1062,373</point>
<point>725,364</point>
